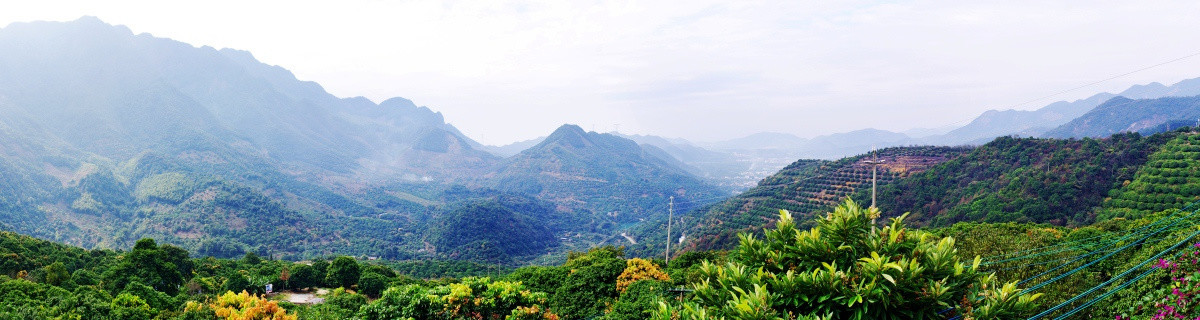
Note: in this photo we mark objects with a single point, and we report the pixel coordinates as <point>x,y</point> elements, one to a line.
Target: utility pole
<point>670,216</point>
<point>874,162</point>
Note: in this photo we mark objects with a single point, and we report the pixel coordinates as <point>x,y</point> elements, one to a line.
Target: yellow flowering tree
<point>245,306</point>
<point>639,269</point>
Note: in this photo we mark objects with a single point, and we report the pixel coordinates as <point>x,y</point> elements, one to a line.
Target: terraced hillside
<point>1010,179</point>
<point>1170,179</point>
<point>805,187</point>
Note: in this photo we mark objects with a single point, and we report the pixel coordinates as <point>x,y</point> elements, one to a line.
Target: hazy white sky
<point>503,71</point>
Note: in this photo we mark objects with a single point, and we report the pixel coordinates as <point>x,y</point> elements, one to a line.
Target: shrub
<point>847,268</point>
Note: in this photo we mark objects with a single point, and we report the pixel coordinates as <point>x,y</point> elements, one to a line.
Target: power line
<point>1108,79</point>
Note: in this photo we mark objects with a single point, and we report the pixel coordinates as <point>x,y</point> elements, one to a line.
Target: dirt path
<point>301,298</point>
<point>307,298</point>
<point>627,237</point>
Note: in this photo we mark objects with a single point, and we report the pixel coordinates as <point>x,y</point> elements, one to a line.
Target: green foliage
<point>237,283</point>
<point>372,284</point>
<point>476,298</point>
<point>489,231</point>
<point>433,269</point>
<point>131,307</point>
<point>343,272</point>
<point>324,311</point>
<point>1007,240</point>
<point>345,300</point>
<point>170,187</point>
<point>1168,180</point>
<point>23,253</point>
<point>1020,180</point>
<point>159,267</point>
<point>251,259</point>
<point>86,303</point>
<point>221,248</point>
<point>638,301</point>
<point>540,278</point>
<point>304,276</point>
<point>321,267</point>
<point>685,268</point>
<point>847,268</point>
<point>610,177</point>
<point>405,302</point>
<point>806,188</point>
<point>20,297</point>
<point>153,298</point>
<point>56,274</point>
<point>590,283</point>
<point>378,269</point>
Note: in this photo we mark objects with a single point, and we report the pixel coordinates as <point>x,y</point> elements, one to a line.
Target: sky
<point>503,71</point>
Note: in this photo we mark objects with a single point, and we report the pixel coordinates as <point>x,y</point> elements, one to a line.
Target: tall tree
<point>150,265</point>
<point>343,272</point>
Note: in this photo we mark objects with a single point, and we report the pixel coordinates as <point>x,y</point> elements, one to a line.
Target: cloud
<point>510,70</point>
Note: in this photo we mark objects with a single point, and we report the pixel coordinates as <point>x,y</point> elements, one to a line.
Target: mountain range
<point>107,136</point>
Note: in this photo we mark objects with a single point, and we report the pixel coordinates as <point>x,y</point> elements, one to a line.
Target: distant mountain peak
<point>94,21</point>
<point>571,135</point>
<point>397,102</point>
<point>568,129</point>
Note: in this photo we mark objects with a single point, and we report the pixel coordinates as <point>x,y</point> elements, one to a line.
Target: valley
<point>146,178</point>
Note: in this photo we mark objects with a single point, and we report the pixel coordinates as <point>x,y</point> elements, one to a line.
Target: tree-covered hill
<point>597,173</point>
<point>805,187</point>
<point>1021,179</point>
<point>490,231</point>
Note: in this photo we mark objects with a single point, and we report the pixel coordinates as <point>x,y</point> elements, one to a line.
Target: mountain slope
<point>598,173</point>
<point>106,91</point>
<point>805,187</point>
<point>1128,115</point>
<point>514,148</point>
<point>1020,179</point>
<point>1168,180</point>
<point>107,136</point>
<point>995,123</point>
